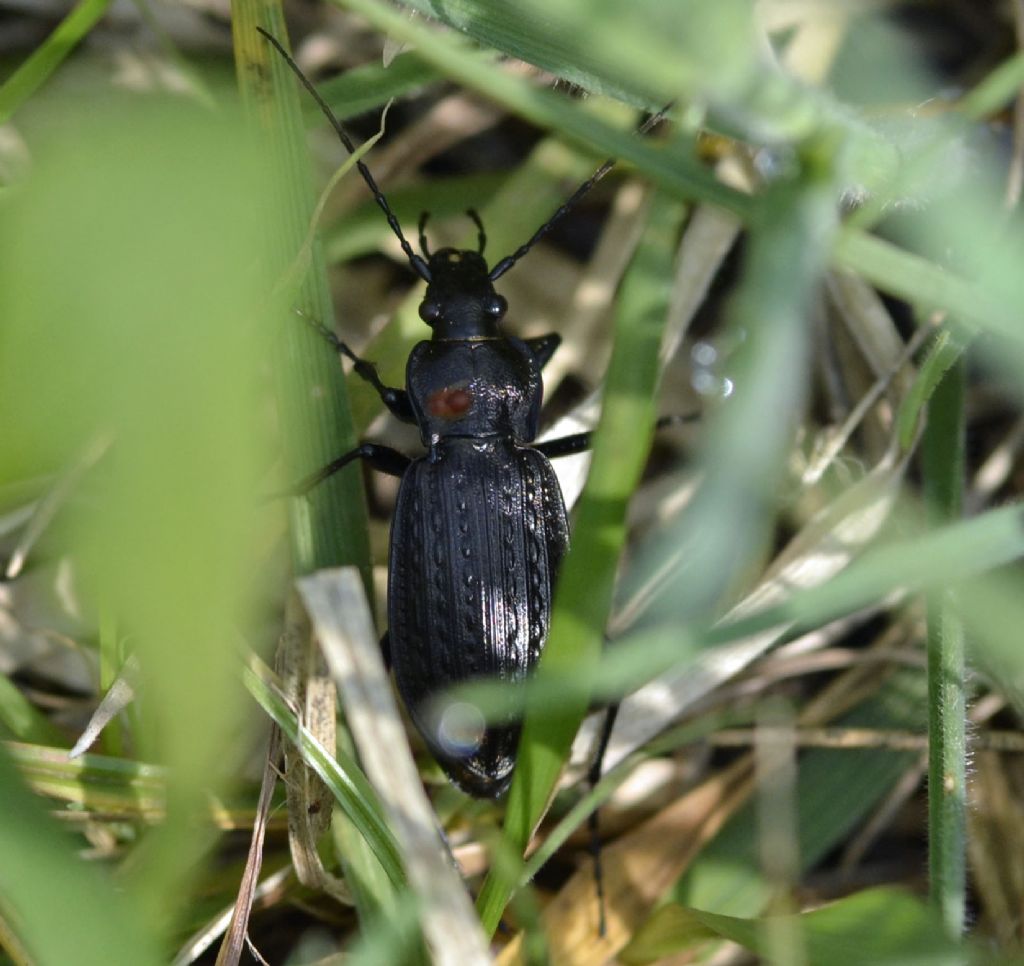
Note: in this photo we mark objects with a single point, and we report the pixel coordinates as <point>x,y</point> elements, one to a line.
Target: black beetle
<point>479,527</point>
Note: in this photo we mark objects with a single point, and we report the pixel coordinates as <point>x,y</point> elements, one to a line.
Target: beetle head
<point>460,302</point>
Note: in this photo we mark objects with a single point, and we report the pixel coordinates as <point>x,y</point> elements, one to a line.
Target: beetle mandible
<point>479,526</point>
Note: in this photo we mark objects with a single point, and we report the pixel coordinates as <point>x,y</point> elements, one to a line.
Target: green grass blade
<point>943,466</point>
<point>459,62</point>
<point>363,230</point>
<point>341,774</point>
<point>566,46</point>
<point>917,280</point>
<point>47,57</point>
<point>895,270</point>
<point>370,86</point>
<point>22,721</point>
<point>60,909</point>
<point>400,942</point>
<point>584,594</point>
<point>995,91</point>
<point>725,878</point>
<point>98,783</point>
<point>943,352</point>
<point>328,526</point>
<point>882,926</point>
<point>952,555</point>
<point>992,607</point>
<point>702,53</point>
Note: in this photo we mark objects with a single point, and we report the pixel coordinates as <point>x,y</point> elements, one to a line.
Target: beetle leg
<point>543,347</point>
<point>580,442</point>
<point>382,458</point>
<point>397,400</point>
<point>565,445</point>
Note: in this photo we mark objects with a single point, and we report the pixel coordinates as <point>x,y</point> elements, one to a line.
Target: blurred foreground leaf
<point>129,290</point>
<point>883,926</point>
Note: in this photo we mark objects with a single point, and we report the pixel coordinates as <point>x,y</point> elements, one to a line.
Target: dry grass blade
<point>309,689</point>
<point>823,548</point>
<point>120,694</point>
<point>995,818</point>
<point>44,512</point>
<point>234,939</point>
<point>341,617</point>
<point>265,893</point>
<point>708,239</point>
<point>638,869</point>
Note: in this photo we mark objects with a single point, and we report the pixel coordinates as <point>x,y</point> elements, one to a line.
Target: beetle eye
<point>430,311</point>
<point>495,305</point>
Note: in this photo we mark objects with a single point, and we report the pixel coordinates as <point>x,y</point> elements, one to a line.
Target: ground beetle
<point>480,527</point>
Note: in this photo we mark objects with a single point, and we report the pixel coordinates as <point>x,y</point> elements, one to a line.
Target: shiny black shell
<point>478,534</point>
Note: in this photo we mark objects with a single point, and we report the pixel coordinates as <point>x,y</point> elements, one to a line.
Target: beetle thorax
<point>474,388</point>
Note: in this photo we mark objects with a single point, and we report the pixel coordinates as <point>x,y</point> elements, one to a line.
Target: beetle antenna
<point>419,266</point>
<point>508,261</point>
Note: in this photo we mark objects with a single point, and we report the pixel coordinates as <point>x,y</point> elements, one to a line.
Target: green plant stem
<point>46,58</point>
<point>328,525</point>
<point>943,464</point>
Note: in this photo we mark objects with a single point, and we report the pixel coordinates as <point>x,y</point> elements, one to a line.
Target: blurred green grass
<point>128,302</point>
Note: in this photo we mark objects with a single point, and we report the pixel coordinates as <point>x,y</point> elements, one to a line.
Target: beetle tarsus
<point>593,777</point>
<point>382,458</point>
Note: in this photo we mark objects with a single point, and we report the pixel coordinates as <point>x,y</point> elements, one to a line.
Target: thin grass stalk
<point>943,462</point>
